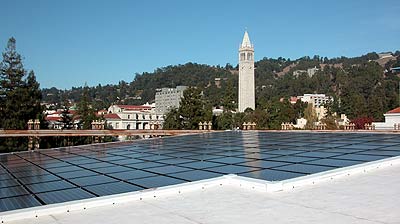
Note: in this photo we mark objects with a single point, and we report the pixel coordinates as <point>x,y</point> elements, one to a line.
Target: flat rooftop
<point>362,198</point>
<point>43,177</point>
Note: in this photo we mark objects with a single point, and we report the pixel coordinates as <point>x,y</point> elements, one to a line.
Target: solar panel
<point>64,195</point>
<point>13,203</point>
<point>156,181</point>
<point>112,188</point>
<point>42,177</point>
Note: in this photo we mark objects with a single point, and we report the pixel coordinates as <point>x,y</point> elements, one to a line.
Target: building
<point>300,123</point>
<point>310,72</point>
<point>127,108</point>
<point>385,55</point>
<point>168,98</point>
<point>343,120</point>
<point>320,112</point>
<point>246,75</point>
<point>316,100</point>
<point>133,117</point>
<point>54,118</point>
<point>392,118</point>
<point>395,69</point>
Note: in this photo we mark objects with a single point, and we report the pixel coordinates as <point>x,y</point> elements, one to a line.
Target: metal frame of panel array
<point>42,177</point>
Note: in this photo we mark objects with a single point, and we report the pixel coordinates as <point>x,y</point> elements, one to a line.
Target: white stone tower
<point>246,75</point>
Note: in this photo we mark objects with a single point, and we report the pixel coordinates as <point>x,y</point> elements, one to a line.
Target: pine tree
<point>85,112</point>
<point>66,118</point>
<point>20,96</point>
<point>172,120</point>
<point>228,100</point>
<point>310,116</point>
<point>193,109</point>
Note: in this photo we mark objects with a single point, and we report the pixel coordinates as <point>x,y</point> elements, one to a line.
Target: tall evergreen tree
<point>193,109</point>
<point>20,93</point>
<point>66,118</point>
<point>20,96</point>
<point>85,111</point>
<point>172,120</point>
<point>310,116</point>
<point>229,97</point>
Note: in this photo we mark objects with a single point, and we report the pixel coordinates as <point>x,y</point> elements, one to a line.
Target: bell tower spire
<point>246,74</point>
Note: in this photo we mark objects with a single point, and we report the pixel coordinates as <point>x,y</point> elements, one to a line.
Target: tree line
<point>361,88</point>
<point>359,85</point>
<point>20,101</point>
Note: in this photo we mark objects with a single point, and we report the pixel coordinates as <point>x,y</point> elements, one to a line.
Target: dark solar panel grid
<point>51,176</point>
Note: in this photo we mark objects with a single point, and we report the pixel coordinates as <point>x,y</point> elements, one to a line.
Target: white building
<point>246,75</point>
<point>168,98</point>
<point>133,117</point>
<point>54,119</point>
<point>392,117</point>
<point>343,120</point>
<point>300,123</point>
<point>310,72</point>
<point>316,100</point>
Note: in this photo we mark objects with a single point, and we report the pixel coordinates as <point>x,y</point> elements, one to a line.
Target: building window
<point>242,56</point>
<point>249,56</point>
<point>129,116</point>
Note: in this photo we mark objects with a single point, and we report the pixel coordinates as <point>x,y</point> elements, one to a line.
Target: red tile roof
<point>60,112</point>
<point>395,110</point>
<point>53,118</point>
<point>111,116</point>
<point>134,107</point>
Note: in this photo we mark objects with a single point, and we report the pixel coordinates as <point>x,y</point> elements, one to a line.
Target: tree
<point>191,112</point>
<point>361,121</point>
<point>229,98</point>
<point>224,121</point>
<point>173,121</point>
<point>85,112</point>
<point>20,93</point>
<point>299,108</point>
<point>20,96</point>
<point>66,118</point>
<point>310,116</point>
<point>193,109</point>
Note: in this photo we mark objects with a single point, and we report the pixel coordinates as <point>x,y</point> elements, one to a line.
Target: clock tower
<point>246,75</point>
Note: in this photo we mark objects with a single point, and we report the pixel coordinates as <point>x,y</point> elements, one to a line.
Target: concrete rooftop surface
<point>371,197</point>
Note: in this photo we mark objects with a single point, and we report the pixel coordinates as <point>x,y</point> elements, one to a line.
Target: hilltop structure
<point>246,75</point>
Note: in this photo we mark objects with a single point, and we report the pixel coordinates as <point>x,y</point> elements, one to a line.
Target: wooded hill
<point>360,86</point>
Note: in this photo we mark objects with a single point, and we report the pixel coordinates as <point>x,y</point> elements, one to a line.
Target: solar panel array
<point>42,177</point>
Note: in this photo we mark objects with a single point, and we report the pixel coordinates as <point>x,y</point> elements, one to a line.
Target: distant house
<point>310,72</point>
<point>133,117</point>
<point>395,70</point>
<point>54,119</point>
<point>392,118</point>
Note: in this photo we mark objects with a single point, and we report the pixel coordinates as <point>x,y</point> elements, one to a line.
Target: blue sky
<point>68,43</point>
